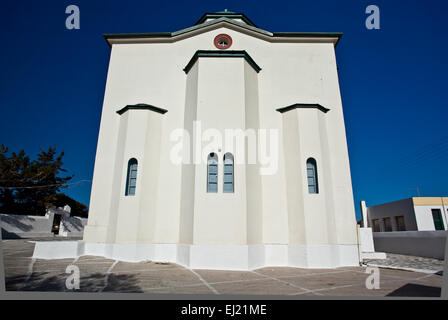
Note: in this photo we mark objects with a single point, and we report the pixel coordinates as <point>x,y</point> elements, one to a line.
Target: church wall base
<point>213,257</point>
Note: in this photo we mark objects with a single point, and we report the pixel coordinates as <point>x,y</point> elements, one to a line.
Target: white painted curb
<point>213,257</point>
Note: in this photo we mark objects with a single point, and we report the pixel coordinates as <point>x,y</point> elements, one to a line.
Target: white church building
<point>169,185</point>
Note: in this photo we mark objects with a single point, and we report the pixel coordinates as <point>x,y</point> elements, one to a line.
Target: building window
<point>228,186</point>
<point>212,173</point>
<point>311,172</point>
<point>437,217</point>
<point>222,41</point>
<point>131,181</point>
<point>399,221</point>
<point>376,225</point>
<point>387,225</point>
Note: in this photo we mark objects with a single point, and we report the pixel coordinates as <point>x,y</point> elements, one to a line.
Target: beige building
<point>168,187</point>
<point>413,214</point>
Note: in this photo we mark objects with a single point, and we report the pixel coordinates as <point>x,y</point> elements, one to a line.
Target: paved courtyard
<point>98,274</point>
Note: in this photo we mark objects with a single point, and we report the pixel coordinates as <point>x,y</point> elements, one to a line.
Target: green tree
<point>30,186</point>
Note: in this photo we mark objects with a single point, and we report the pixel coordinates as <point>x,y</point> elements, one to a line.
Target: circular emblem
<point>223,41</point>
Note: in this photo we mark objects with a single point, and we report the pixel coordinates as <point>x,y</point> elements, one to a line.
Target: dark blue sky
<point>392,80</point>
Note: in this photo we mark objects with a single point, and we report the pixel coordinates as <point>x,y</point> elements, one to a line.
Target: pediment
<point>207,26</point>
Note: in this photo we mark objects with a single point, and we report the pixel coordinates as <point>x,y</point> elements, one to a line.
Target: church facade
<point>169,186</point>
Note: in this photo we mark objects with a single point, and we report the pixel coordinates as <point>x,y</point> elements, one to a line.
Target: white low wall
<point>72,226</point>
<point>366,245</point>
<point>21,226</point>
<point>430,244</point>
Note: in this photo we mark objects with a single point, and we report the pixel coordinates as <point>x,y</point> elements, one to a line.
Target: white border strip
<point>219,257</point>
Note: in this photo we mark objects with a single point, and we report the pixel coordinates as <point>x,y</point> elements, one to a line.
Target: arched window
<point>311,173</point>
<point>131,180</point>
<point>228,173</point>
<point>212,173</point>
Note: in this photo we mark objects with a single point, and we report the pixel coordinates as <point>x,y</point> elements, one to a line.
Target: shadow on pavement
<point>122,283</point>
<point>415,290</point>
<point>44,282</point>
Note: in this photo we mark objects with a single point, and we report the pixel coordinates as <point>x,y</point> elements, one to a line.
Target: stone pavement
<point>98,274</point>
<point>410,263</point>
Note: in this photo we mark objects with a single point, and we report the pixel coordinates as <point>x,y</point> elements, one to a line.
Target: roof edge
<point>222,54</point>
<point>310,34</point>
<point>241,16</point>
<point>142,106</point>
<point>267,34</point>
<point>303,106</point>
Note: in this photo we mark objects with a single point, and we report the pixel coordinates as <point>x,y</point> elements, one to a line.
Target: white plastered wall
<point>179,210</point>
<point>220,218</point>
<point>424,218</point>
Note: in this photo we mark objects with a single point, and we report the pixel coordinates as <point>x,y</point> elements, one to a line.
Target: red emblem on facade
<point>223,41</point>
